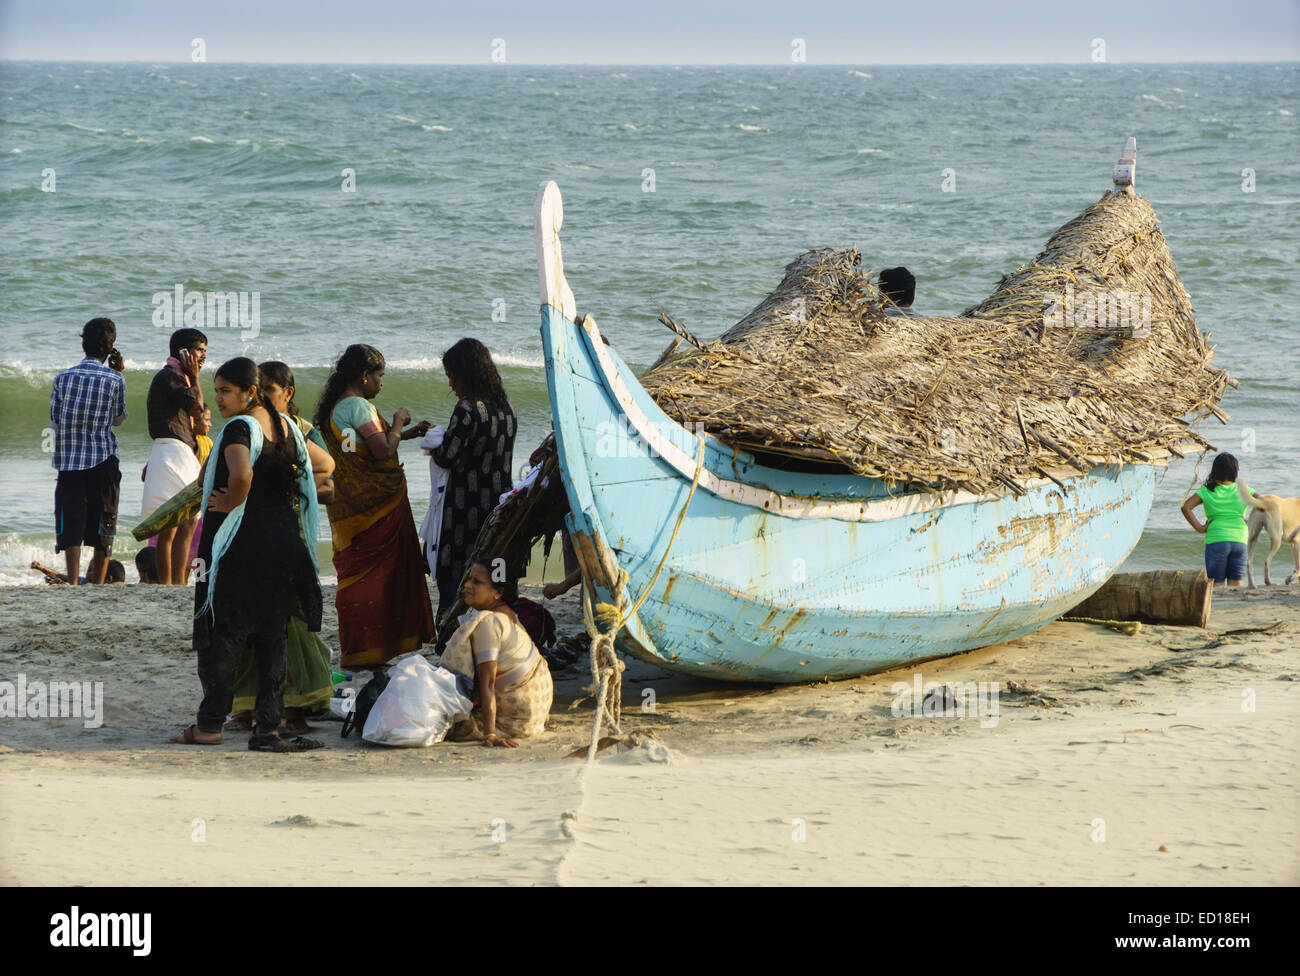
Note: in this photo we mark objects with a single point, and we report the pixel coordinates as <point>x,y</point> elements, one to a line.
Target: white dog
<point>1281,518</point>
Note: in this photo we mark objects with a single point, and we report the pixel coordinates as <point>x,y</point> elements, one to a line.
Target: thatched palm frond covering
<point>1023,385</point>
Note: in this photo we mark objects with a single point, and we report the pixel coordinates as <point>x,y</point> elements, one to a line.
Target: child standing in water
<point>1225,524</point>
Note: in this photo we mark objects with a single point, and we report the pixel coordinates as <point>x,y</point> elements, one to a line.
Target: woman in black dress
<point>477,450</point>
<point>257,572</point>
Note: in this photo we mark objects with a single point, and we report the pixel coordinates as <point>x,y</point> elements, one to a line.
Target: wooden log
<point>1163,596</point>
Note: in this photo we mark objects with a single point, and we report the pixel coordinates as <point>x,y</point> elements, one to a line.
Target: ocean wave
<point>427,127</point>
<point>34,376</point>
<point>17,555</point>
<point>42,375</point>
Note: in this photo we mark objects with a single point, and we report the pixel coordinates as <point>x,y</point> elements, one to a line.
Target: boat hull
<point>783,577</point>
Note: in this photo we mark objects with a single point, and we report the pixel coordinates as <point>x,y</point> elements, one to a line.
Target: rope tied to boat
<point>605,620</point>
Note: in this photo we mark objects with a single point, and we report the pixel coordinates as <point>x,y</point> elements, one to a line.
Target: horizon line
<point>647,64</point>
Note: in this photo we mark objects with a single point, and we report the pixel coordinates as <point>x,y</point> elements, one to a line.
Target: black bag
<point>366,698</point>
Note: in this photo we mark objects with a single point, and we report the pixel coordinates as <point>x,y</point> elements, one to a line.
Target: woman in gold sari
<point>512,682</point>
<point>382,599</point>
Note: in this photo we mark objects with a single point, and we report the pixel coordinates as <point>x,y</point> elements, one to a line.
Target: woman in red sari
<point>382,600</point>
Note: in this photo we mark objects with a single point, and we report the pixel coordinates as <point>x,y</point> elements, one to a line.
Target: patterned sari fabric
<point>476,451</point>
<point>382,600</point>
<point>523,703</point>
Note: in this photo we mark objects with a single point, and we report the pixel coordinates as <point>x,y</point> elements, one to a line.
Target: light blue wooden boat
<point>781,576</point>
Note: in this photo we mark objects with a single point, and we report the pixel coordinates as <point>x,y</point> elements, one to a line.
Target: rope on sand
<point>1130,627</point>
<point>605,621</point>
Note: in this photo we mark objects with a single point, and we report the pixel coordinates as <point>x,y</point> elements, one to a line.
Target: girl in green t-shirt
<point>1225,524</point>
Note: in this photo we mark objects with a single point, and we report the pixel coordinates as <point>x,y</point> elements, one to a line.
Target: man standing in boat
<point>898,287</point>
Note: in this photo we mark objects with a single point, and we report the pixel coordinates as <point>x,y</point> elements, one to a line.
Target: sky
<point>866,32</point>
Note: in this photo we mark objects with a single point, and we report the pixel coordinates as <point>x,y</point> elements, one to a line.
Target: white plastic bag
<point>417,708</point>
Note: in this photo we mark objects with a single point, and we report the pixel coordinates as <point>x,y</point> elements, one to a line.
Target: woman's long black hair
<point>476,375</point>
<point>1222,472</point>
<point>281,374</point>
<point>356,360</point>
<point>244,373</point>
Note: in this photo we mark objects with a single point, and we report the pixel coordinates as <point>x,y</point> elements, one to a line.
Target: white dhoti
<point>172,466</point>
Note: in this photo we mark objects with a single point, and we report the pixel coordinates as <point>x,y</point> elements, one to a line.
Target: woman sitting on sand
<point>1225,526</point>
<point>382,599</point>
<point>512,682</point>
<point>255,571</point>
<point>309,679</point>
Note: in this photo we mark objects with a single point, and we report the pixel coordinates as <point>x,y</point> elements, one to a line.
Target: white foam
<point>435,363</point>
<point>38,375</point>
<point>861,74</point>
<point>201,139</point>
<point>16,557</point>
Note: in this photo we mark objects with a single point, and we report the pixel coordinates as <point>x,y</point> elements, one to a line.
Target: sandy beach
<point>1169,757</point>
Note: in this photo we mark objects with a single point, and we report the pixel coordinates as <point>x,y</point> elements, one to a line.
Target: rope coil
<point>605,620</point>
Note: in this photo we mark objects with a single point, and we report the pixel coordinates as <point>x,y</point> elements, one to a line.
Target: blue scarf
<point>307,515</point>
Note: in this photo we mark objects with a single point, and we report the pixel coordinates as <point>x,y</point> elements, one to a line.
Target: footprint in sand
<point>297,820</point>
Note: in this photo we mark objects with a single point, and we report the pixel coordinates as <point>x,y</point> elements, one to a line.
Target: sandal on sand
<point>242,722</point>
<point>273,743</point>
<point>186,738</point>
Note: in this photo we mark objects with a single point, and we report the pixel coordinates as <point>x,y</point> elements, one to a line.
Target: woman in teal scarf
<point>254,570</point>
<point>308,680</point>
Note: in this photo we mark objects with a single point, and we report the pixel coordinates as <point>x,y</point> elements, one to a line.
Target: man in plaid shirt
<point>87,402</point>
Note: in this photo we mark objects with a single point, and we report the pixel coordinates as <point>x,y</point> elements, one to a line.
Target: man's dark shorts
<point>85,506</point>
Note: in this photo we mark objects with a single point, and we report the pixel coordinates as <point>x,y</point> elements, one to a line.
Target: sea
<point>393,205</point>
